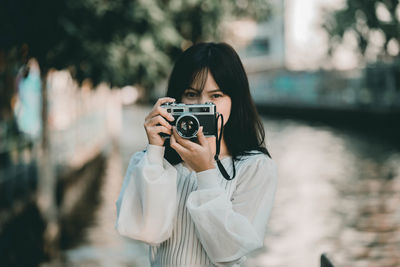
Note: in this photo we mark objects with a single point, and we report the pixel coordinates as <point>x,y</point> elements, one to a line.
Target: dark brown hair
<point>244,132</point>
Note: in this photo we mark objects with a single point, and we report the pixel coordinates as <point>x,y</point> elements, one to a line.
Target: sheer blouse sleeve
<point>231,227</point>
<point>146,205</point>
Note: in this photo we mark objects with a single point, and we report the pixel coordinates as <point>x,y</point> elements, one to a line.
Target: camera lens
<point>187,126</point>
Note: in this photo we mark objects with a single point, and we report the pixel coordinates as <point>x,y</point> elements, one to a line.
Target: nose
<point>204,99</point>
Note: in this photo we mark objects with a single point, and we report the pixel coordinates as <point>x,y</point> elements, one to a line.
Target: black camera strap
<point>217,151</point>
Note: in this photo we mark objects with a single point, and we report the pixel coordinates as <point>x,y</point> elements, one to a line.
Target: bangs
<point>194,64</point>
<point>199,79</point>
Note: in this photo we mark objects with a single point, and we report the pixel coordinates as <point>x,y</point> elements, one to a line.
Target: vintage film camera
<point>189,118</point>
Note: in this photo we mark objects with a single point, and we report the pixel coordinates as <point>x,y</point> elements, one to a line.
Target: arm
<point>230,228</point>
<point>147,202</point>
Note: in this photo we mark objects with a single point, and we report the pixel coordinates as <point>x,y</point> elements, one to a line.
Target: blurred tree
<point>371,21</point>
<point>120,42</point>
<point>376,26</point>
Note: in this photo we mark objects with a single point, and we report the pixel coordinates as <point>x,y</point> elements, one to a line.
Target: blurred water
<point>339,192</point>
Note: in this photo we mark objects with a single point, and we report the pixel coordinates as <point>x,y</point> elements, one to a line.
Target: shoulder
<point>137,156</point>
<point>256,166</point>
<point>256,159</point>
<point>154,154</point>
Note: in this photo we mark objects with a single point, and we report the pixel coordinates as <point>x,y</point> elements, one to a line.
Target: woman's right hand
<point>156,122</point>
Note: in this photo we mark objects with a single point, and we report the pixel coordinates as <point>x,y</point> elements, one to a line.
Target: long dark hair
<point>244,131</point>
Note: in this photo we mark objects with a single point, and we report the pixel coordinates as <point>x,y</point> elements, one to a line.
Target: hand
<point>156,123</point>
<point>198,156</point>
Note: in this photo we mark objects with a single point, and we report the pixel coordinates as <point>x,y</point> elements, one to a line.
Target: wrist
<point>156,143</point>
<point>155,154</point>
<point>205,168</point>
<point>207,179</point>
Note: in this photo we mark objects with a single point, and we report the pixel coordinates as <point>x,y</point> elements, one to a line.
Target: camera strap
<point>217,151</point>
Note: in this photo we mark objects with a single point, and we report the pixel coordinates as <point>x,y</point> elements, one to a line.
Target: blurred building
<point>261,46</point>
<point>288,66</point>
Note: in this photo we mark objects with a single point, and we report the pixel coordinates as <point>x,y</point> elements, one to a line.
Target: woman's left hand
<point>197,155</point>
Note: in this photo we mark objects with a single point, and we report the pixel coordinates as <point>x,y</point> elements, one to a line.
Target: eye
<point>189,94</point>
<point>216,95</point>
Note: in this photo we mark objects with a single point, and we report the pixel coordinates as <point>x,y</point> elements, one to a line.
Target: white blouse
<point>196,219</point>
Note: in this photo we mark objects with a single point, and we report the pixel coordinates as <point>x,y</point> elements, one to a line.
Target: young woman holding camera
<point>202,202</point>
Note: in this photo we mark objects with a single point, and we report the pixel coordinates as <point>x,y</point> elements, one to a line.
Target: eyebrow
<point>211,91</point>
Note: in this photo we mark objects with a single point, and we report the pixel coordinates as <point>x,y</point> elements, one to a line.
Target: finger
<point>158,120</point>
<point>182,141</point>
<point>200,136</point>
<point>175,145</point>
<point>163,100</point>
<point>163,112</point>
<point>159,102</point>
<point>160,111</point>
<point>161,129</point>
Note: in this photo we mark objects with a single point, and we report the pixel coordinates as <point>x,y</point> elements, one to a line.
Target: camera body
<point>189,118</point>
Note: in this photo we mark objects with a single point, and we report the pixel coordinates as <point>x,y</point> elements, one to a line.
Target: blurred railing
<point>82,123</point>
<point>18,171</point>
<point>374,88</point>
<point>325,261</point>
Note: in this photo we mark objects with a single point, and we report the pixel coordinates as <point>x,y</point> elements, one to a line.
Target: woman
<point>175,197</point>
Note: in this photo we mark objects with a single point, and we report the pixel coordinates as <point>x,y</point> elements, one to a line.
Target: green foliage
<point>120,41</point>
<point>364,18</point>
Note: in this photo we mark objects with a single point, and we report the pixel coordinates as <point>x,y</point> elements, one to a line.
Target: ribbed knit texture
<point>184,248</point>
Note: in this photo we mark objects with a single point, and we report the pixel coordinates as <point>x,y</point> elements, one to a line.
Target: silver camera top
<point>196,109</point>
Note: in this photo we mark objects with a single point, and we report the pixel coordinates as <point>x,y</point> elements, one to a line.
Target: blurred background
<point>77,79</point>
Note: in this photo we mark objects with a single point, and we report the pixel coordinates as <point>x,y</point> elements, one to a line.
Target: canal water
<point>338,193</point>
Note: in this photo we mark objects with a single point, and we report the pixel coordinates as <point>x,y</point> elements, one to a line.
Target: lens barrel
<point>187,126</point>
